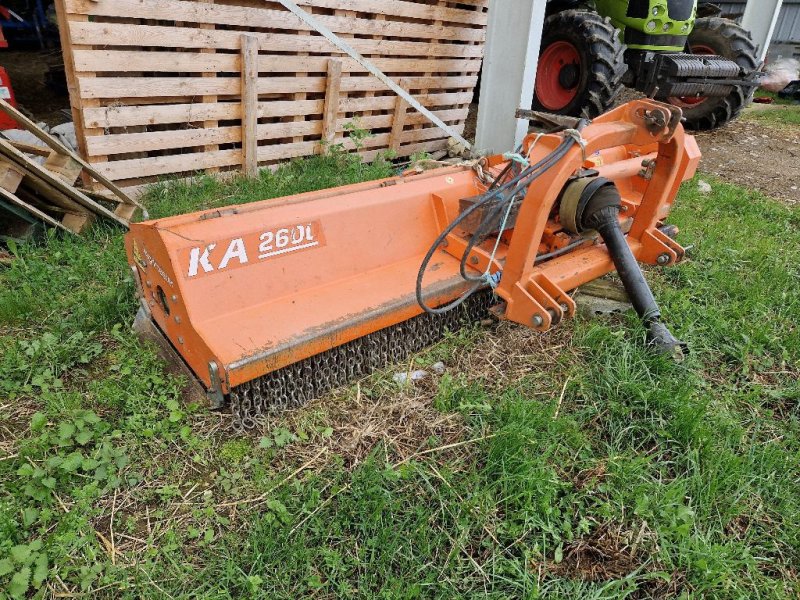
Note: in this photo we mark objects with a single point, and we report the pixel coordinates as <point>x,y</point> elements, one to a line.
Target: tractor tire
<point>581,65</point>
<point>726,38</point>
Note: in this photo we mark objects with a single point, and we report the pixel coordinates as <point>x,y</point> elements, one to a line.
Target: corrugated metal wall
<point>788,28</point>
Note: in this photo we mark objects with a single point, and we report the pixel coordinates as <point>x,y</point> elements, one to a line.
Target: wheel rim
<point>558,78</point>
<point>691,101</point>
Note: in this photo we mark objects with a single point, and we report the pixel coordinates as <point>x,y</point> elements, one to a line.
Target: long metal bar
<point>369,66</point>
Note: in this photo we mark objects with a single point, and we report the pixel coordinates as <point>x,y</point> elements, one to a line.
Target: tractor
<point>677,51</point>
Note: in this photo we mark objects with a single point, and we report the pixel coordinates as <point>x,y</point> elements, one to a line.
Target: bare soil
<point>755,155</point>
<point>27,69</point>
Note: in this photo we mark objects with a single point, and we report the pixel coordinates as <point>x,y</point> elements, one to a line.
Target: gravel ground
<point>755,155</point>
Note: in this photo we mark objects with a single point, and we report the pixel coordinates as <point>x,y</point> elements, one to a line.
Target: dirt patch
<point>611,553</point>
<point>755,155</point>
<point>606,554</point>
<point>28,70</point>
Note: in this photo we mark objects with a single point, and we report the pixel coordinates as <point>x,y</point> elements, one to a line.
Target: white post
<point>513,39</point>
<point>760,19</point>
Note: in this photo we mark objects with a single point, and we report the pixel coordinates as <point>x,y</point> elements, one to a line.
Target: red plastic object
<point>7,94</point>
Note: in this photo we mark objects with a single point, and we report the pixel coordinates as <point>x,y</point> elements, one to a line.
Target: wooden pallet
<point>163,88</point>
<point>47,192</point>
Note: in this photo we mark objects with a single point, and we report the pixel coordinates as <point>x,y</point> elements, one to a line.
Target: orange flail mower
<point>270,304</point>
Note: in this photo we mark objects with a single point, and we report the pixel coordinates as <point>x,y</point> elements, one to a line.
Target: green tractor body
<point>657,25</point>
<point>677,51</point>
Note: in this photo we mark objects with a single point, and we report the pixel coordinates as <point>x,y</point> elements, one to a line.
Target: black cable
<point>481,233</point>
<point>528,175</point>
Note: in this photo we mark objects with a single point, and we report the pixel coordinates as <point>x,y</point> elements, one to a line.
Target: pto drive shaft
<point>601,213</point>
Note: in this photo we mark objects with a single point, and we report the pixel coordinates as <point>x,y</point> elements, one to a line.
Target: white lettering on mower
<point>283,241</point>
<point>235,250</point>
<point>197,260</point>
<point>268,244</point>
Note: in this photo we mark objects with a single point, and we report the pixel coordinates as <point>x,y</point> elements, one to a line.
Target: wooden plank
<point>395,8</point>
<point>398,123</point>
<point>153,87</point>
<point>121,61</point>
<point>250,84</point>
<point>125,143</point>
<point>10,176</point>
<point>175,10</point>
<point>78,223</point>
<point>115,34</point>
<point>69,46</point>
<point>413,10</point>
<point>127,116</point>
<point>334,85</point>
<point>30,148</point>
<point>207,124</point>
<point>64,166</point>
<point>13,199</point>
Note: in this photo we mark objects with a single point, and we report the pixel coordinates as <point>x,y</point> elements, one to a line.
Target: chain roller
<point>295,385</point>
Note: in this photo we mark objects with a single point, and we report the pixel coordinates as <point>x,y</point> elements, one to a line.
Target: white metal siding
<point>788,27</point>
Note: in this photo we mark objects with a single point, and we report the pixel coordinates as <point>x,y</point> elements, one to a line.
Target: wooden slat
<point>153,87</point>
<point>209,123</point>
<point>331,100</point>
<point>249,105</point>
<point>413,10</point>
<point>114,34</point>
<point>127,116</point>
<point>121,61</point>
<point>395,8</point>
<point>398,123</point>
<point>175,10</point>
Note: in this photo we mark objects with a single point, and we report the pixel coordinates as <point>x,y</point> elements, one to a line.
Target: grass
<point>581,468</point>
<point>783,113</point>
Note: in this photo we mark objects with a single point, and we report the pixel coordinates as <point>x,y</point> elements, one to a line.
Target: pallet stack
<point>38,185</point>
<point>174,87</point>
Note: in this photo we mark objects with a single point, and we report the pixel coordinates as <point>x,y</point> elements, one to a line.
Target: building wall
<point>788,28</point>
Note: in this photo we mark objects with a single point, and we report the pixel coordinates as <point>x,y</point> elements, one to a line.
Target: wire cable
<point>514,187</point>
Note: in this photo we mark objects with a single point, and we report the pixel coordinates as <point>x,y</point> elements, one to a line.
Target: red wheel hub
<point>692,101</point>
<point>558,77</point>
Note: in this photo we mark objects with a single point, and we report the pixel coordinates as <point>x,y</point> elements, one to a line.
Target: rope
<point>579,139</point>
<point>494,280</point>
<point>517,158</point>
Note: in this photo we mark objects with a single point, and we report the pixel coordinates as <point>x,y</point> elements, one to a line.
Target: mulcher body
<point>270,304</point>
